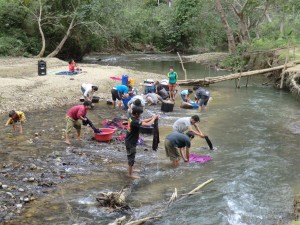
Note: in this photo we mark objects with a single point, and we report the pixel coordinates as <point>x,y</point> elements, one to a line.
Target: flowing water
<point>255,166</point>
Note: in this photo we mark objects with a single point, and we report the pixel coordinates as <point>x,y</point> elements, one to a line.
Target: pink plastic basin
<point>105,135</point>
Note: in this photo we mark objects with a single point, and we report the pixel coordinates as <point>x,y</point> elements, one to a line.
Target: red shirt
<point>76,111</point>
<point>71,67</point>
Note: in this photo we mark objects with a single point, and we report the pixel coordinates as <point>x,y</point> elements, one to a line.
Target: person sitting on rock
<point>16,117</point>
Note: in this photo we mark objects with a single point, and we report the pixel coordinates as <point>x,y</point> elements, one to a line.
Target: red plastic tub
<point>105,135</point>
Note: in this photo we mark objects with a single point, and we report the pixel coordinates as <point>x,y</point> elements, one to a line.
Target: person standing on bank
<point>175,141</point>
<point>132,136</point>
<point>74,117</point>
<point>172,75</point>
<point>185,123</point>
<point>117,93</point>
<point>88,91</point>
<point>202,96</point>
<point>16,117</point>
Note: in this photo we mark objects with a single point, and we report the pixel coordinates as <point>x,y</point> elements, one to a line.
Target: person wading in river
<point>132,136</point>
<point>185,123</point>
<point>73,117</point>
<point>175,141</point>
<point>16,117</point>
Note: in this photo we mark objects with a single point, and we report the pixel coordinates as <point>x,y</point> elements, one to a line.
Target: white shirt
<point>88,90</point>
<point>182,124</point>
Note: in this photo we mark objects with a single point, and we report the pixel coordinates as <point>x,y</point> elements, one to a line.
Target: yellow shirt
<point>21,115</point>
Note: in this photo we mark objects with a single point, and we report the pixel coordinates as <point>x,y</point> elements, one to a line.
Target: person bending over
<point>185,95</point>
<point>88,91</point>
<point>132,136</point>
<point>178,144</point>
<point>117,93</point>
<point>74,116</point>
<point>202,96</point>
<point>14,118</point>
<point>185,123</point>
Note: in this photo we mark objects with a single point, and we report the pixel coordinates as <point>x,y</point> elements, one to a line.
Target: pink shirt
<point>76,111</point>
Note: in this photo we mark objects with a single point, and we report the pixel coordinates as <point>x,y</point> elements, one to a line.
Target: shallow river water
<point>255,165</point>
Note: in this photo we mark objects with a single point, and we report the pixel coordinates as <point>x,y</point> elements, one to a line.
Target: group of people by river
<point>177,143</point>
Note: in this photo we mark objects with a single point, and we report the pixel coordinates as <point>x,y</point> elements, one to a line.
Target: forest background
<point>73,28</point>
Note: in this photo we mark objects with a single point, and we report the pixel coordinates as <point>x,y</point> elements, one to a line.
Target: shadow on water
<point>254,167</point>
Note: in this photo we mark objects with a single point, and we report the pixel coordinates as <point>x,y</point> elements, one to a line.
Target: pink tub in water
<point>105,135</point>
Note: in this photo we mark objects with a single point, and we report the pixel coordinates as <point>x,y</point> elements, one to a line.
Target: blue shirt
<point>122,89</point>
<point>184,92</point>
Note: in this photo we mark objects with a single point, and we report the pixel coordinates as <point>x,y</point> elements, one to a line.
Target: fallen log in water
<point>211,80</point>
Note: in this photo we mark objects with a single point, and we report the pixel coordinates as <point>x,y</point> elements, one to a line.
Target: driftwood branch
<point>199,187</point>
<point>212,80</point>
<point>184,70</point>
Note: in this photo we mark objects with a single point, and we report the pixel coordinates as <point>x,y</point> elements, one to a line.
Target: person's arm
<point>197,132</point>
<point>8,122</point>
<point>149,121</point>
<point>186,156</point>
<point>83,118</point>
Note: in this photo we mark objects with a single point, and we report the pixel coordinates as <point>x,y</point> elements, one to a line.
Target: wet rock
<point>31,179</point>
<point>21,190</point>
<point>10,194</point>
<point>4,186</point>
<point>19,206</point>
<point>26,199</point>
<point>33,167</point>
<point>25,179</point>
<point>36,134</point>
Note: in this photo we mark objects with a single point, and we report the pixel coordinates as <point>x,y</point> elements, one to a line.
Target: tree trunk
<point>61,44</point>
<point>242,23</point>
<point>42,51</point>
<point>231,42</point>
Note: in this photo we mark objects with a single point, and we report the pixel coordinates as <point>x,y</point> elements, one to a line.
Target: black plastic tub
<point>167,106</point>
<point>146,130</point>
<point>94,100</point>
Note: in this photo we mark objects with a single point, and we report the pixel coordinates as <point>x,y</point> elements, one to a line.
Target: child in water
<point>16,117</point>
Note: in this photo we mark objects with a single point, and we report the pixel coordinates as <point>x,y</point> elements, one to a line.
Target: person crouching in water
<point>185,95</point>
<point>175,141</point>
<point>132,136</point>
<point>74,117</point>
<point>16,117</point>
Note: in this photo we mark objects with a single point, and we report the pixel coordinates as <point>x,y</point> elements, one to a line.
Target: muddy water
<point>255,165</point>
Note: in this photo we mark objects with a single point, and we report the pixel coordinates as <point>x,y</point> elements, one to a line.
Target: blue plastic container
<point>124,79</point>
<point>149,88</point>
<point>125,101</point>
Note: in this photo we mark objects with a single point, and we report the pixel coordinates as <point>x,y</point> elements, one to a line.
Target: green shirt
<point>172,77</point>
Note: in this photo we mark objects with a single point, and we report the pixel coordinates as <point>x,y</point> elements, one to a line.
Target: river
<point>255,166</point>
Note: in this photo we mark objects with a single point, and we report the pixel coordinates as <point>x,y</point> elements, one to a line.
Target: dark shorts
<point>115,95</point>
<point>131,151</point>
<point>202,100</point>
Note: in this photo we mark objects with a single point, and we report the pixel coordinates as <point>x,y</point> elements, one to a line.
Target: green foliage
<point>264,44</point>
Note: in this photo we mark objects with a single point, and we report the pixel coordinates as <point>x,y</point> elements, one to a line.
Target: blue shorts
<point>183,98</point>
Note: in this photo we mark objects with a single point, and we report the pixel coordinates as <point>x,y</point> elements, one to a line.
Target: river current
<point>255,166</point>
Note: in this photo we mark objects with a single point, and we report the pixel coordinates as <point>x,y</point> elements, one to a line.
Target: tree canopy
<point>75,27</point>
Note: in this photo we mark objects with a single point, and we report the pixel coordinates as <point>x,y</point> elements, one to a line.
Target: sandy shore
<point>22,89</point>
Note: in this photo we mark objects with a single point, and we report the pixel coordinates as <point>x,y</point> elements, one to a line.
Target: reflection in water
<point>254,167</point>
